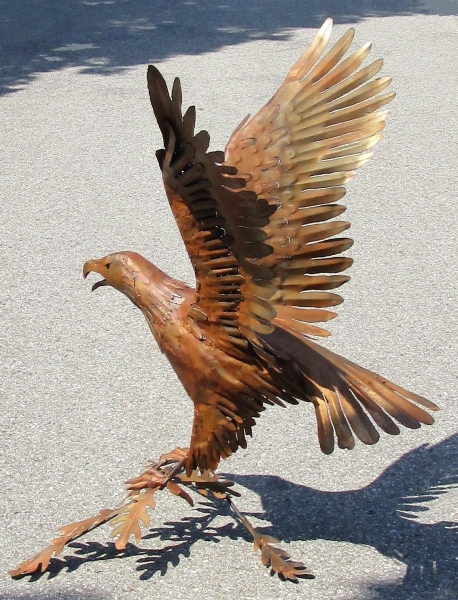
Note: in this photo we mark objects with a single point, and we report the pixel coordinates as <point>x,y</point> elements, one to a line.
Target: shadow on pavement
<point>383,515</point>
<point>106,36</point>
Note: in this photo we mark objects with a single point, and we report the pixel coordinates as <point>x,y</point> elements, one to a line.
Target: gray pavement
<point>87,397</point>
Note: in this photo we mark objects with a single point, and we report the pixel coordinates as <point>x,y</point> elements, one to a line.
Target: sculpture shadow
<point>106,36</point>
<point>383,515</point>
<point>179,537</point>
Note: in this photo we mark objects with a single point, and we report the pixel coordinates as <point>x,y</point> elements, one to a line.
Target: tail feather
<point>346,395</point>
<point>411,396</point>
<point>358,420</point>
<point>325,429</point>
<point>344,435</point>
<point>380,417</point>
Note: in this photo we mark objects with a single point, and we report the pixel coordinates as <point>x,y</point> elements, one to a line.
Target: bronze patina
<point>258,222</point>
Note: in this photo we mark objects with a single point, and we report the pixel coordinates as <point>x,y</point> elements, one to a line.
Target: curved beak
<point>93,266</point>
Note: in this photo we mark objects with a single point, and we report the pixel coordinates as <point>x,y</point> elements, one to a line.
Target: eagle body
<point>210,376</point>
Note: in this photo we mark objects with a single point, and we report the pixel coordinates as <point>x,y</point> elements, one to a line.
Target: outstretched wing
<point>200,189</point>
<point>297,153</point>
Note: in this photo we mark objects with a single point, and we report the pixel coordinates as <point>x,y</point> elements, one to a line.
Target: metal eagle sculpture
<point>258,222</point>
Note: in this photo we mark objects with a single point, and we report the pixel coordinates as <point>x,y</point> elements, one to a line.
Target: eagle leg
<point>278,559</point>
<point>169,472</point>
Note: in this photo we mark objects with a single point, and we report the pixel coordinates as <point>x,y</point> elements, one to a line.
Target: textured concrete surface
<point>86,396</point>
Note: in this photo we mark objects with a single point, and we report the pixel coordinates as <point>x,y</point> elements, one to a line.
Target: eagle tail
<point>348,398</point>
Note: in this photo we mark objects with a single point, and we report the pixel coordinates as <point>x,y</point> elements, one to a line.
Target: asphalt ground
<point>86,395</point>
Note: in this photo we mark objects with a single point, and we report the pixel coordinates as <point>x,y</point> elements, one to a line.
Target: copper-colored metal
<point>256,223</point>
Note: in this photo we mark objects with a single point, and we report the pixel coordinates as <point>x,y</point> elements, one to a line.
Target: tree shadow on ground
<point>383,515</point>
<point>56,595</point>
<point>106,36</point>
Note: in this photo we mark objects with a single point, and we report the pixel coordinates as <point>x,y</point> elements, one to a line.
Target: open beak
<point>92,266</point>
<point>98,284</point>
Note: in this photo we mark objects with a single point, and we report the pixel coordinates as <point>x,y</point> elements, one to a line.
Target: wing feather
<point>199,189</point>
<point>298,153</point>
